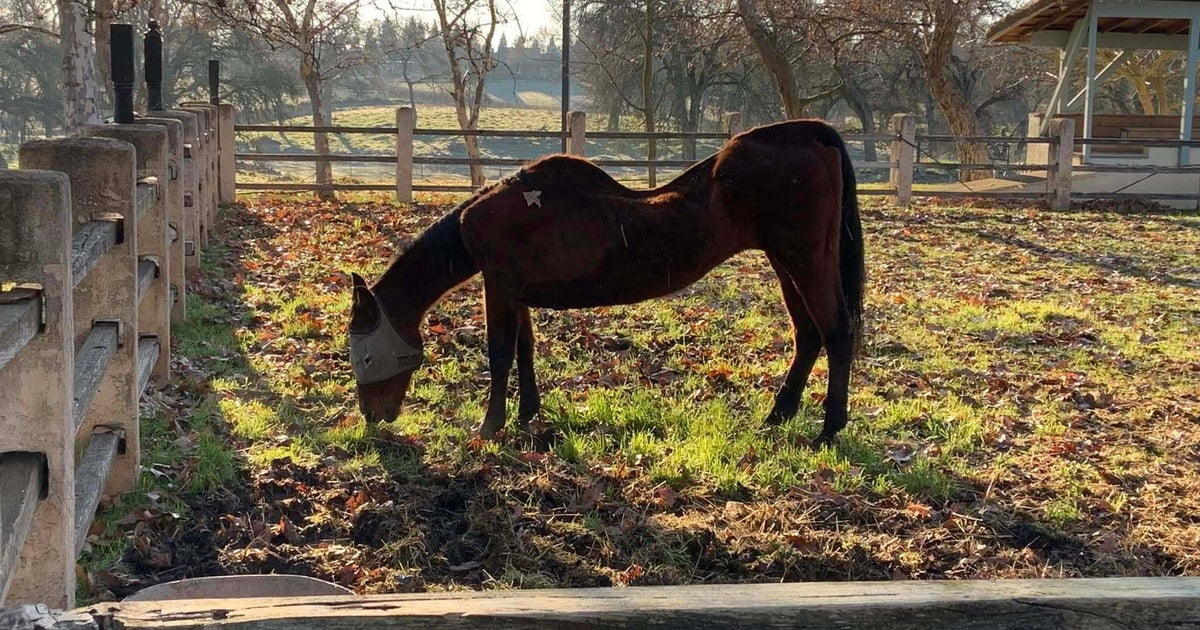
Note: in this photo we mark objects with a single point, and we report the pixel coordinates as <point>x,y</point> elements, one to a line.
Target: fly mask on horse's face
<point>377,352</point>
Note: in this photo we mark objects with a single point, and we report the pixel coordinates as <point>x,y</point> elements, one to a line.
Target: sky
<point>529,15</point>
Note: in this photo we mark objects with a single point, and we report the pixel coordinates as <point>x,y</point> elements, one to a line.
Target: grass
<point>1025,406</point>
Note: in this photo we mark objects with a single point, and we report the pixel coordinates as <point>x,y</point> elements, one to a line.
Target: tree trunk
<point>79,67</point>
<point>648,91</point>
<point>773,58</point>
<point>104,20</point>
<point>614,115</point>
<point>1162,95</point>
<point>1144,96</point>
<point>312,82</point>
<point>466,121</point>
<point>950,99</point>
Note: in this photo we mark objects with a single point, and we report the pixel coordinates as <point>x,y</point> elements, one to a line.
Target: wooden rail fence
<point>909,152</point>
<point>96,235</point>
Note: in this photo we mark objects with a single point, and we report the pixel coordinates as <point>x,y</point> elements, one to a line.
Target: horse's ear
<point>357,280</point>
<point>364,310</point>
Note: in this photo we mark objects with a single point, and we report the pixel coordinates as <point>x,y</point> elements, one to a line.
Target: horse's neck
<point>435,263</point>
<point>695,182</point>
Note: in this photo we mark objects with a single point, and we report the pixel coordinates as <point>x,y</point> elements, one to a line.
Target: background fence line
<point>908,154</point>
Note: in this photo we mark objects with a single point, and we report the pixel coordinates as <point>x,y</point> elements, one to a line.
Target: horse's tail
<point>852,263</point>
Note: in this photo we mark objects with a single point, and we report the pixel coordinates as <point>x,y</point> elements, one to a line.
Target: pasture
<point>1026,404</point>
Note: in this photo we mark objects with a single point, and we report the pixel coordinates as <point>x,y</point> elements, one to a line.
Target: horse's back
<point>785,180</point>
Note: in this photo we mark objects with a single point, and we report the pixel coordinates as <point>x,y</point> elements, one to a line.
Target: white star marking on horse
<point>533,198</point>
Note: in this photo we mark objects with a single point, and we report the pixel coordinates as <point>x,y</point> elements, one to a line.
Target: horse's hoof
<point>486,433</point>
<point>824,441</point>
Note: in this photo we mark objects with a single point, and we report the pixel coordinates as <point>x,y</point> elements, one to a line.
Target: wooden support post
<point>406,123</point>
<point>733,124</point>
<point>1066,63</point>
<point>153,242</point>
<point>1189,91</point>
<point>904,152</point>
<point>1089,104</point>
<point>36,390</point>
<point>578,130</point>
<point>227,146</point>
<point>1062,159</point>
<point>171,188</point>
<point>193,222</point>
<point>103,176</point>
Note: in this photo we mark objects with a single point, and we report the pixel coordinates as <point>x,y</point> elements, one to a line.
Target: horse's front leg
<point>531,402</point>
<point>502,328</point>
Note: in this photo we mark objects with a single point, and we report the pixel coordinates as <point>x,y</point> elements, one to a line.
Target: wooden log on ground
<point>1092,604</point>
<point>39,616</point>
<point>1096,604</point>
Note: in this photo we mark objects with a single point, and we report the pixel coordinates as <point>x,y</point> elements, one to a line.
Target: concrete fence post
<point>172,189</point>
<point>578,129</point>
<point>227,145</point>
<point>153,242</point>
<point>1060,163</point>
<point>36,387</point>
<point>904,153</point>
<point>406,124</point>
<point>192,223</point>
<point>202,157</point>
<point>103,174</point>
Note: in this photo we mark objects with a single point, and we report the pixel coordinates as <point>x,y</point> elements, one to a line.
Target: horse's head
<point>383,360</point>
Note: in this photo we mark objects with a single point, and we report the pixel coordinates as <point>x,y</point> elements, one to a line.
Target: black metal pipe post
<point>566,70</point>
<point>214,81</point>
<point>152,47</point>
<point>123,77</point>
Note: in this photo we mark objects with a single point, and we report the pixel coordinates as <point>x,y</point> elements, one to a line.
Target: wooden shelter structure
<point>1083,27</point>
<point>1145,155</point>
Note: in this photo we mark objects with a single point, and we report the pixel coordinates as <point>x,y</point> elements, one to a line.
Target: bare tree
<point>770,25</point>
<point>312,29</point>
<point>933,30</point>
<point>468,28</point>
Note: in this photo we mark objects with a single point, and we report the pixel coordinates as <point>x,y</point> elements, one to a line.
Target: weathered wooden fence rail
<point>908,153</point>
<point>96,234</point>
<point>1082,604</point>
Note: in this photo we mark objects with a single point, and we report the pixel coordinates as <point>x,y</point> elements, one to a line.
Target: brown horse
<point>562,234</point>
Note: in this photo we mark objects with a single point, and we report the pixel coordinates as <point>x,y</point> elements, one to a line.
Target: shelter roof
<point>1060,15</point>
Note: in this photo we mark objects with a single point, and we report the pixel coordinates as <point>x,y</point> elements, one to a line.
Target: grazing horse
<point>562,234</point>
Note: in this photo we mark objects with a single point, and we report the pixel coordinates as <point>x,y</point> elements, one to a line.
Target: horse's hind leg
<point>808,346</point>
<point>502,330</point>
<point>818,282</point>
<point>526,379</point>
